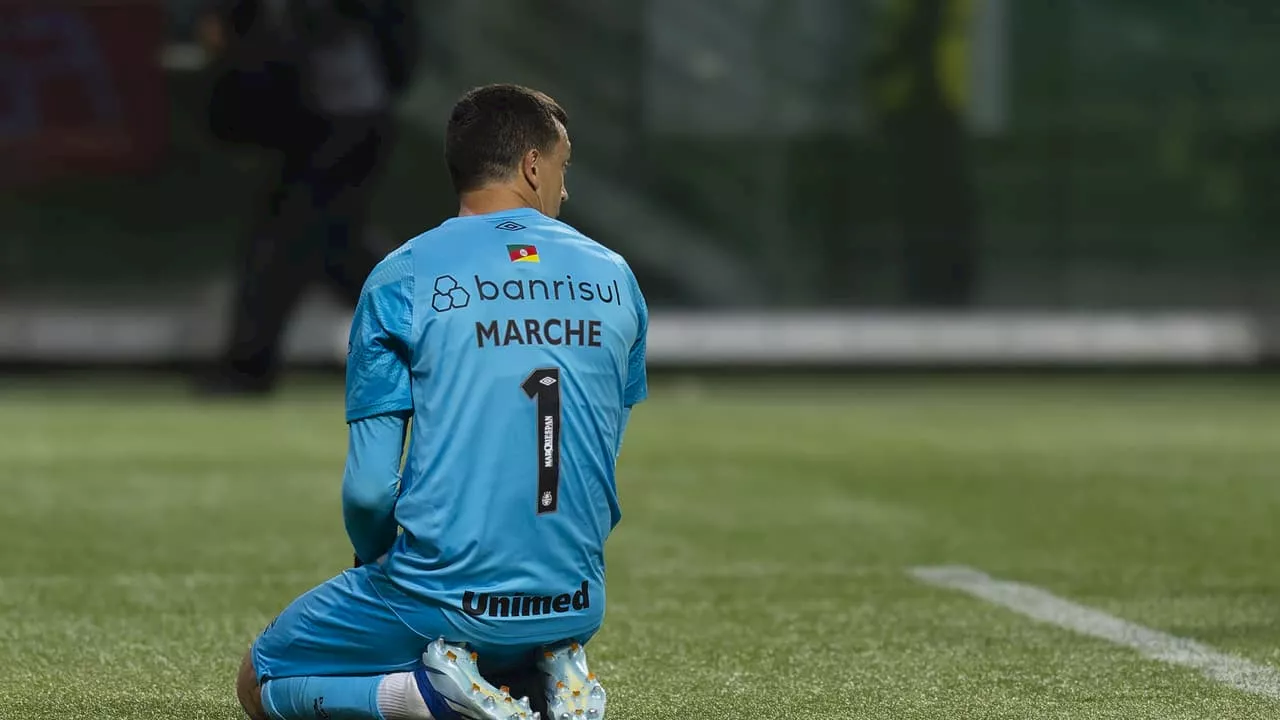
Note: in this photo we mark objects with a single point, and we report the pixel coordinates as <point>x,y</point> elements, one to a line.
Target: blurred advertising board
<point>82,91</point>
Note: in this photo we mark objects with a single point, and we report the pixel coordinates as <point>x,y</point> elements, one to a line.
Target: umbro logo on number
<point>548,381</point>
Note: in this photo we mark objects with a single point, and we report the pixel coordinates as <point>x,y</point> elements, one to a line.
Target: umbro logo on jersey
<point>510,226</point>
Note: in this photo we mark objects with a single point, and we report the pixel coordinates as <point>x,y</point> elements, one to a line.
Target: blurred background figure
<point>849,175</point>
<point>918,78</point>
<point>315,81</point>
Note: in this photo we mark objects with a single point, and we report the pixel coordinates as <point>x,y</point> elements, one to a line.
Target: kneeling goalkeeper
<point>507,349</point>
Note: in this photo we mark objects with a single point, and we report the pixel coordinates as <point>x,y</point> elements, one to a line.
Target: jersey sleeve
<point>637,386</point>
<point>378,355</point>
<point>370,484</point>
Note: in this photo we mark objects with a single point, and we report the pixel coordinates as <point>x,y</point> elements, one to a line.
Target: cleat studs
<point>559,686</point>
<point>452,657</point>
<point>597,693</point>
<point>489,704</point>
<point>593,713</point>
<point>549,655</point>
<point>591,676</point>
<point>576,693</point>
<point>475,656</point>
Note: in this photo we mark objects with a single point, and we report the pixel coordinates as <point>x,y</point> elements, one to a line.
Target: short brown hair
<point>492,127</point>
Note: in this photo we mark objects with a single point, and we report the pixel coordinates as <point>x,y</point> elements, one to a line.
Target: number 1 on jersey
<point>544,386</point>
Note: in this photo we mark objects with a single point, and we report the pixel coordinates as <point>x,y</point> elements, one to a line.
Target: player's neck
<point>486,201</point>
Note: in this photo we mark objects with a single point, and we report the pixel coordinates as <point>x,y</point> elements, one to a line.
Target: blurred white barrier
<point>119,335</point>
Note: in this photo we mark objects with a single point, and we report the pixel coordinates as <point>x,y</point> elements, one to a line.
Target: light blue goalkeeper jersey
<point>518,345</point>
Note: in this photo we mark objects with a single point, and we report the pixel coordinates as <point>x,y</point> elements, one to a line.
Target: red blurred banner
<point>81,88</point>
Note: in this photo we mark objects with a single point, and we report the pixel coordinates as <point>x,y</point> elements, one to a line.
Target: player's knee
<point>248,691</point>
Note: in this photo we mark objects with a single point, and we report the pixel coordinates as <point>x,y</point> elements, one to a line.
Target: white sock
<point>399,698</point>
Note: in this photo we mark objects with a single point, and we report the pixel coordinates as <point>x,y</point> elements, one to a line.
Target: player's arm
<point>371,483</point>
<point>379,405</point>
<point>636,389</point>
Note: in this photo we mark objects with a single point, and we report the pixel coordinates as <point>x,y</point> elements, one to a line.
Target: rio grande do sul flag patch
<point>522,253</point>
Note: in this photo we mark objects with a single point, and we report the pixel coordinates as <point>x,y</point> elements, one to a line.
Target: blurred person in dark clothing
<point>315,81</point>
<point>918,96</point>
<point>1258,163</point>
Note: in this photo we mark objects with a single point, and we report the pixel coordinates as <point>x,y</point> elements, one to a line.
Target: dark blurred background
<point>835,181</point>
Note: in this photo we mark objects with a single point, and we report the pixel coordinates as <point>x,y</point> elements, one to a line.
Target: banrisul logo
<point>449,295</point>
<point>536,289</point>
<point>538,311</point>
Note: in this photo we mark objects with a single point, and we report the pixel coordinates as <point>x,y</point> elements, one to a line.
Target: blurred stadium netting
<point>795,181</point>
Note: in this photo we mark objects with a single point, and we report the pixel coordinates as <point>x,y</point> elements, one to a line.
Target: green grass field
<point>761,568</point>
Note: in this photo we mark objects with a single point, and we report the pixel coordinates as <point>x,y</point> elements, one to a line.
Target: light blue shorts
<point>360,623</point>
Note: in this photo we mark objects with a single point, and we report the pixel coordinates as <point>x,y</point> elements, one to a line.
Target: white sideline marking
<point>1048,608</point>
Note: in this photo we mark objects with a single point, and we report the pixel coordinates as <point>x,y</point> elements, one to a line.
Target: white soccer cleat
<point>573,692</point>
<point>452,672</point>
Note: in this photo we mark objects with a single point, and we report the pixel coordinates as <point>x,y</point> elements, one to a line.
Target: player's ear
<point>529,168</point>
